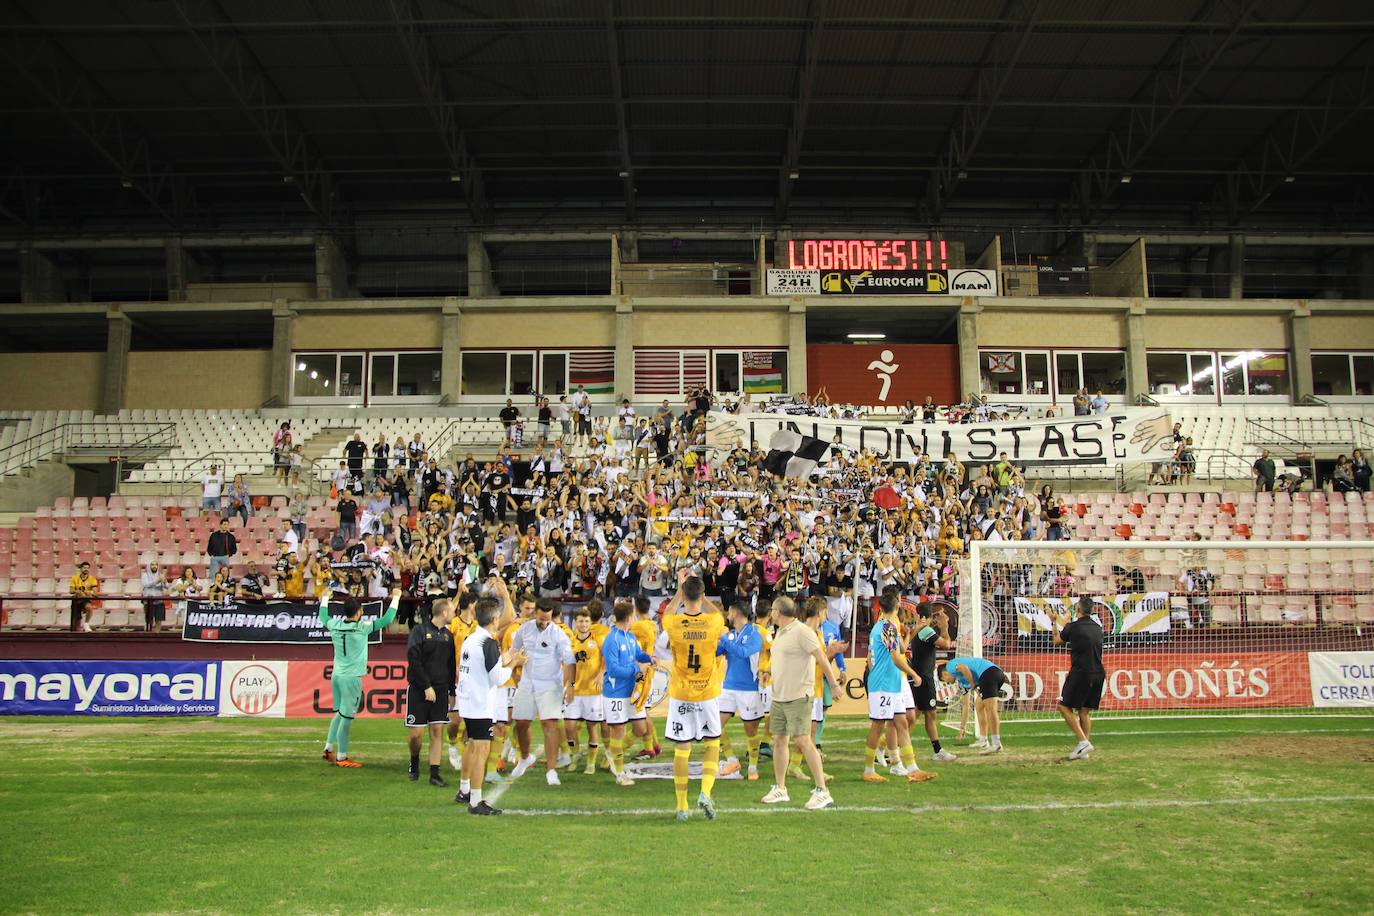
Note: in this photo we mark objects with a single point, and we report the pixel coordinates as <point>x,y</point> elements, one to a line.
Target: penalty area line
<point>1135,804</point>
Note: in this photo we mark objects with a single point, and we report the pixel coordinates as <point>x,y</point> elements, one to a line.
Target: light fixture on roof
<point>314,374</point>
<point>1127,178</point>
<point>126,182</point>
<point>624,173</point>
<point>961,174</point>
<point>867,335</point>
<point>1289,179</point>
<point>794,174</point>
<point>300,367</point>
<point>288,179</point>
<point>455,177</point>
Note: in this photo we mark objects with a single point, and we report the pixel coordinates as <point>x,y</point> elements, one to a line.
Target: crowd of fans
<point>614,506</point>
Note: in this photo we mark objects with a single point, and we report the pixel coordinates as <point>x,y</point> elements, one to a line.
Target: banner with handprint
<point>1123,436</point>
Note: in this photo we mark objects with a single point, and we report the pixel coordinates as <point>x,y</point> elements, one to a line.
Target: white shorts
<point>585,709</point>
<point>619,710</point>
<point>765,700</point>
<point>906,700</point>
<point>747,704</point>
<point>882,706</point>
<point>545,705</point>
<point>818,710</point>
<point>692,721</point>
<point>500,711</point>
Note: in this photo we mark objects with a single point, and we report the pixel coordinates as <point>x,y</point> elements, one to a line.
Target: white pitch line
<point>1144,803</point>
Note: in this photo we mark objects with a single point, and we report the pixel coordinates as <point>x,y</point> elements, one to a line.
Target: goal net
<point>1191,627</point>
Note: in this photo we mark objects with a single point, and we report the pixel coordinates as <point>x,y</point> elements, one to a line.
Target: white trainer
<point>455,758</point>
<point>990,750</point>
<point>881,757</point>
<point>623,779</point>
<point>775,795</point>
<point>820,798</point>
<point>552,777</point>
<point>520,767</point>
<point>564,759</point>
<point>1082,751</point>
<point>944,756</point>
<point>897,769</point>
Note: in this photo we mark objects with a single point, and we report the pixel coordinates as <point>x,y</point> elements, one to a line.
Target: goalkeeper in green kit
<point>349,635</point>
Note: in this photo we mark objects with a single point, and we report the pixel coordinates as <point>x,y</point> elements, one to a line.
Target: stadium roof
<point>197,113</point>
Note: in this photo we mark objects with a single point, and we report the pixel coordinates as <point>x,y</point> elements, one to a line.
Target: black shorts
<point>925,694</point>
<point>478,729</point>
<point>1081,691</point>
<point>421,712</point>
<point>990,682</point>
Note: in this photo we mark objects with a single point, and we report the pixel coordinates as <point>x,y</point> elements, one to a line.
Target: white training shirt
<point>548,650</point>
<point>480,673</point>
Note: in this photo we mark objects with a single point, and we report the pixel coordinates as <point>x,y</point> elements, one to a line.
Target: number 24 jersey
<point>693,638</point>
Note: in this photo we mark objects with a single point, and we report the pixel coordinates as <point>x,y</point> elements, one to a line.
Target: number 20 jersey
<point>693,640</point>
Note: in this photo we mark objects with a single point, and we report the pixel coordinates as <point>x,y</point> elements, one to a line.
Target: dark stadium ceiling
<point>140,115</point>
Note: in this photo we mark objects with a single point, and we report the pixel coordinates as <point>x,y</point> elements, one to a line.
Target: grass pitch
<point>1183,815</point>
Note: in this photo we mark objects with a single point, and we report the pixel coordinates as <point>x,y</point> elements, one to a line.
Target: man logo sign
<point>885,367</point>
<point>255,689</point>
<point>973,282</point>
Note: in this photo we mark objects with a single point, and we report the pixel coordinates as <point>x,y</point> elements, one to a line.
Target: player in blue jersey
<point>970,672</point>
<point>739,694</point>
<point>886,666</point>
<point>626,665</point>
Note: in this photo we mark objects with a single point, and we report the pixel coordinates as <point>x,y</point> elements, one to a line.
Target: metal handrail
<point>188,484</point>
<point>56,440</point>
<point>1258,425</point>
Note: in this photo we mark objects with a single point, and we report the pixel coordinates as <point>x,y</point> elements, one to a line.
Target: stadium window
<point>727,375</point>
<point>327,376</point>
<point>1181,374</point>
<point>484,372</point>
<point>521,373</point>
<point>553,374</point>
<point>1364,375</point>
<point>382,382</point>
<point>418,374</point>
<point>1254,373</point>
<point>1016,372</point>
<point>1104,371</point>
<point>1331,374</point>
<point>1068,379</point>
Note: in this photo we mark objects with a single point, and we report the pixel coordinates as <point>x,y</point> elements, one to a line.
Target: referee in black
<point>432,682</point>
<point>1083,687</point>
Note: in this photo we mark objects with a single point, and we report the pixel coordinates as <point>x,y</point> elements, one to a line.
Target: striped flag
<point>761,375</point>
<point>594,370</point>
<point>791,454</point>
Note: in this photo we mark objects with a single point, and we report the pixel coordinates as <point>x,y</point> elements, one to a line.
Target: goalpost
<point>1207,628</point>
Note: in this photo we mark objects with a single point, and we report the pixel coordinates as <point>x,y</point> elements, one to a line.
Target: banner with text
<point>273,622</point>
<point>1120,436</point>
<point>1126,620</point>
<point>1342,678</point>
<point>309,694</point>
<point>109,688</point>
<point>1154,680</point>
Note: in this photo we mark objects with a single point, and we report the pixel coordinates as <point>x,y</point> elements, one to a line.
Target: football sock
<point>681,758</point>
<point>475,799</point>
<point>464,785</point>
<point>726,746</point>
<point>754,742</point>
<point>935,745</point>
<point>653,735</point>
<point>869,754</point>
<point>332,738</point>
<point>492,761</point>
<point>820,732</point>
<point>434,771</point>
<point>908,756</point>
<point>345,729</point>
<point>617,755</point>
<point>710,764</point>
<point>414,762</point>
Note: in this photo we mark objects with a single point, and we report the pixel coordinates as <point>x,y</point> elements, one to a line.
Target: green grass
<point>1222,815</point>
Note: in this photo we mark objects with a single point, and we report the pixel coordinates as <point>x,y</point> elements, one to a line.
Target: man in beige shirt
<point>796,653</point>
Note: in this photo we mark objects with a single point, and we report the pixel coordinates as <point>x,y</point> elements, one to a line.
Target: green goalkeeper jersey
<point>350,638</point>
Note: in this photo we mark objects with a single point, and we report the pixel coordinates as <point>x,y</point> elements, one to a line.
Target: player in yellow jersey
<point>461,627</point>
<point>586,705</point>
<point>692,628</point>
<point>645,634</point>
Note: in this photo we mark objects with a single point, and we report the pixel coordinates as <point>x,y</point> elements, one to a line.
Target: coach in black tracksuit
<point>432,682</point>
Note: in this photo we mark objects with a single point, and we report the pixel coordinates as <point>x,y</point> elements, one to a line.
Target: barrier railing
<point>130,440</point>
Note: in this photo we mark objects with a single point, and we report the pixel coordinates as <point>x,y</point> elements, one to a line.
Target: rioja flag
<point>790,454</point>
